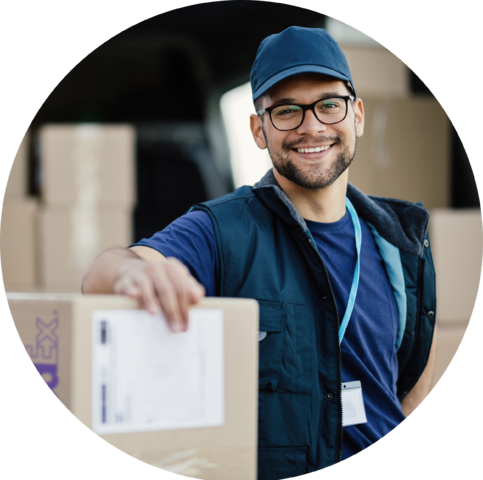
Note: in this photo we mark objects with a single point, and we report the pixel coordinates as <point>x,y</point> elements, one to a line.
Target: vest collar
<point>401,223</point>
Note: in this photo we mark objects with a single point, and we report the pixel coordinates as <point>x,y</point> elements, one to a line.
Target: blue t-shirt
<point>368,347</point>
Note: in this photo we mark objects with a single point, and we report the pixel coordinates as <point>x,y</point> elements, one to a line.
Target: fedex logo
<point>45,352</point>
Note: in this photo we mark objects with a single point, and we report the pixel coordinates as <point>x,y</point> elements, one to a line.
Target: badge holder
<point>353,411</point>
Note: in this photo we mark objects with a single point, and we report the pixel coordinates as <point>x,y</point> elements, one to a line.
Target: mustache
<point>320,139</point>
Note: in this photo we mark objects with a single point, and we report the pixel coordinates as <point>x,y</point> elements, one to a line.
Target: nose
<point>311,125</point>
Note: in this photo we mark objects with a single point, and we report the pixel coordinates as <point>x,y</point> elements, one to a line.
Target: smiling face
<point>314,155</point>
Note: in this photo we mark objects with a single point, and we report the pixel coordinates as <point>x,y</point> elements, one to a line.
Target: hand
<point>164,286</point>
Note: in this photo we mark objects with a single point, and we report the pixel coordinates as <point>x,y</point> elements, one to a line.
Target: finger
<point>133,292</point>
<point>196,291</point>
<point>180,281</point>
<point>167,297</point>
<point>148,294</point>
<point>126,286</point>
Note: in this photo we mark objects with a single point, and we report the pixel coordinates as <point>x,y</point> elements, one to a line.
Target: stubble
<point>319,176</point>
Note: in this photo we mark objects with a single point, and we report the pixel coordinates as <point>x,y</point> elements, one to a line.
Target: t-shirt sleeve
<point>191,239</point>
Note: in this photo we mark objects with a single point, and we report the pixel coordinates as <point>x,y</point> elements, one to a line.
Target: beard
<point>318,176</point>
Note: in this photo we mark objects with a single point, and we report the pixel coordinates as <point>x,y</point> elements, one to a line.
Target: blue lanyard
<point>355,280</point>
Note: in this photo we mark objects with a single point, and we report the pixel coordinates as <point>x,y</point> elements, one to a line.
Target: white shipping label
<point>144,377</point>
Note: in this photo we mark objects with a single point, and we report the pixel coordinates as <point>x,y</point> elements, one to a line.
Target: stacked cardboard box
<point>457,251</point>
<point>88,194</point>
<point>376,72</point>
<point>18,178</point>
<point>457,244</point>
<point>57,333</point>
<point>405,151</point>
<point>17,243</point>
<point>18,228</point>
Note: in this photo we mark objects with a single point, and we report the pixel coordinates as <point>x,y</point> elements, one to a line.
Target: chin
<point>312,180</point>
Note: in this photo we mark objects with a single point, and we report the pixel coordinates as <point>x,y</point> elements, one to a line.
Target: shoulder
<point>401,223</point>
<point>231,208</point>
<point>237,196</point>
<point>191,228</point>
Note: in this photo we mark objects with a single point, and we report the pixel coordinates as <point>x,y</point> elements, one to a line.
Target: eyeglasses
<point>327,111</point>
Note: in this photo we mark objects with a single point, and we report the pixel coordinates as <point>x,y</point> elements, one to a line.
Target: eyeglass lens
<point>328,110</point>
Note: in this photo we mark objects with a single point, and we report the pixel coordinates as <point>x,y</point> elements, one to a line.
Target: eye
<point>286,111</point>
<point>330,105</point>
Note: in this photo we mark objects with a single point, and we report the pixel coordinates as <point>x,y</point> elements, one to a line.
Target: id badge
<point>353,411</point>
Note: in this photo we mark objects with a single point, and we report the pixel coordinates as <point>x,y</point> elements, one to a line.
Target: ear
<point>359,116</point>
<point>257,131</point>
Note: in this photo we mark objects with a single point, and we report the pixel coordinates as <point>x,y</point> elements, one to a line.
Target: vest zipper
<point>420,286</point>
<point>419,308</point>
<point>341,429</point>
<point>419,313</point>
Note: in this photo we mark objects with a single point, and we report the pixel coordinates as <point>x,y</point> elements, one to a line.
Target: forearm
<point>423,385</point>
<point>106,269</point>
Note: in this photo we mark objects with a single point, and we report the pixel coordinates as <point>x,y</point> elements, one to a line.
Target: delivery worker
<point>345,282</point>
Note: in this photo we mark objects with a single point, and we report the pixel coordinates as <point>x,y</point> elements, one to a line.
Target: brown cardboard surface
<point>449,336</point>
<point>457,244</point>
<point>53,288</point>
<point>70,239</point>
<point>377,72</point>
<point>211,453</point>
<point>18,243</point>
<point>17,180</point>
<point>405,151</point>
<point>88,163</point>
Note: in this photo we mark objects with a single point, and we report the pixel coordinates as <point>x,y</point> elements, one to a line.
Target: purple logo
<point>45,352</point>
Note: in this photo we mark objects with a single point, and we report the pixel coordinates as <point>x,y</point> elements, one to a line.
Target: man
<point>345,282</point>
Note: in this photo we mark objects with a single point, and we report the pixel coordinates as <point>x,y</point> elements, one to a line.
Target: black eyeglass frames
<point>290,116</point>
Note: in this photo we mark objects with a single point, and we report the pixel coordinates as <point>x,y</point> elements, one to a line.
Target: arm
<point>422,387</point>
<point>142,273</point>
<point>105,269</point>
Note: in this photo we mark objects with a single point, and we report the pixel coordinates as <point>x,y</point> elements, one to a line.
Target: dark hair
<point>258,103</point>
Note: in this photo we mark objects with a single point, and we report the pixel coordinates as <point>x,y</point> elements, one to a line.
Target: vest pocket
<point>276,463</point>
<point>286,352</point>
<point>272,321</point>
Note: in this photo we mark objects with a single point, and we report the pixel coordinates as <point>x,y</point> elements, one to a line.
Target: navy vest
<point>265,253</point>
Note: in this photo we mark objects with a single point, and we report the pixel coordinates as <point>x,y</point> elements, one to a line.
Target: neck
<point>326,205</point>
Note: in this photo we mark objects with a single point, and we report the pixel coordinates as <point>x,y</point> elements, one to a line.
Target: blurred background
<point>157,119</point>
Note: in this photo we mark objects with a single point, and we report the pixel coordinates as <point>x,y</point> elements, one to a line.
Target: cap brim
<point>295,71</point>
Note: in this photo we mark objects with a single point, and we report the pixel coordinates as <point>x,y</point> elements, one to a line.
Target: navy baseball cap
<point>297,50</point>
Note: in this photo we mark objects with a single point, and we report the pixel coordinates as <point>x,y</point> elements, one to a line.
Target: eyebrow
<point>286,100</point>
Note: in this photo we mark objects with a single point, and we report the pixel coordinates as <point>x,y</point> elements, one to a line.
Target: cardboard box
<point>18,178</point>
<point>56,331</point>
<point>377,72</point>
<point>457,244</point>
<point>71,238</point>
<point>405,151</point>
<point>88,164</point>
<point>18,243</point>
<point>448,340</point>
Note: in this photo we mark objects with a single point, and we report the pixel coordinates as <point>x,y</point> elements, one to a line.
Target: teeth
<point>313,150</point>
